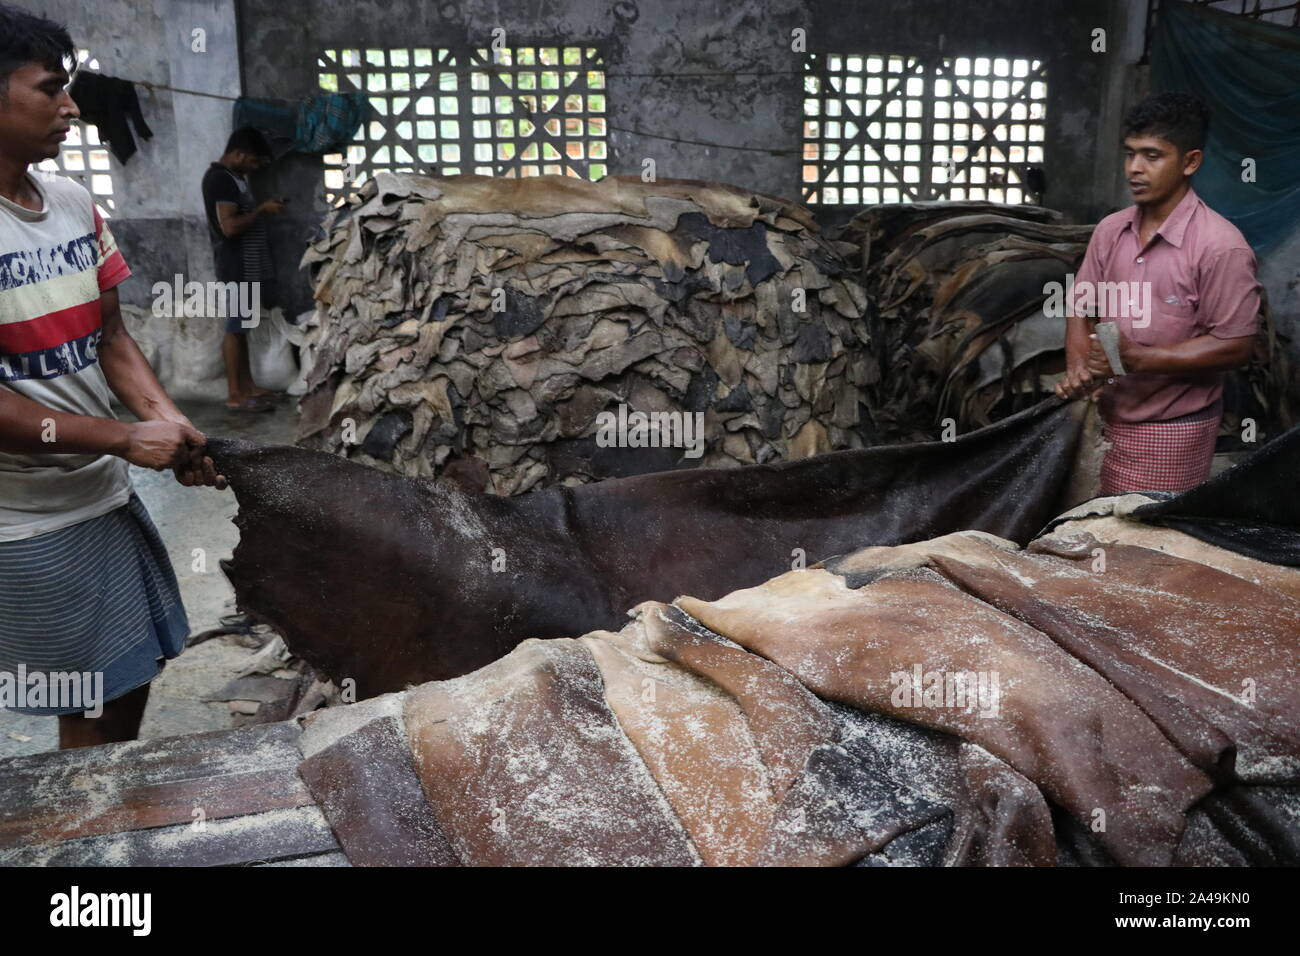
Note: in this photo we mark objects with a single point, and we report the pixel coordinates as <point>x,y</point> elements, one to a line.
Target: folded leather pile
<point>820,718</point>
<point>489,321</point>
<point>957,700</point>
<point>477,326</point>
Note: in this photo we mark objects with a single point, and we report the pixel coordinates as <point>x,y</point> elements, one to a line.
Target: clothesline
<point>774,150</point>
<point>479,69</point>
<point>177,89</point>
<point>771,150</point>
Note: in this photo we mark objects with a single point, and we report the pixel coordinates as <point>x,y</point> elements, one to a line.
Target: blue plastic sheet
<point>1249,74</point>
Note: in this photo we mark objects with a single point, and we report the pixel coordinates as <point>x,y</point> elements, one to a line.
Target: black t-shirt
<point>221,185</point>
<point>245,257</point>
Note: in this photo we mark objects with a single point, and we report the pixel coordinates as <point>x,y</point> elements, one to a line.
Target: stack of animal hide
<point>957,314</point>
<point>957,701</point>
<point>953,701</point>
<point>487,322</point>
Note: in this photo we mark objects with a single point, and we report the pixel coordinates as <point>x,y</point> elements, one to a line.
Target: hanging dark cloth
<point>107,102</point>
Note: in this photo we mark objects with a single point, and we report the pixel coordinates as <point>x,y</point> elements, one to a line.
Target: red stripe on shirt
<point>113,269</point>
<point>51,329</point>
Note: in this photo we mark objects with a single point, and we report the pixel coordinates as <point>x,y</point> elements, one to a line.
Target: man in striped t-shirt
<point>85,583</point>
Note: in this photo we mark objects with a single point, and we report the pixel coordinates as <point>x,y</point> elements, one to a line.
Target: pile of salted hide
<point>490,321</point>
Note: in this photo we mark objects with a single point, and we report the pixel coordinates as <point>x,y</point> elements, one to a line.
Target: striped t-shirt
<point>54,263</point>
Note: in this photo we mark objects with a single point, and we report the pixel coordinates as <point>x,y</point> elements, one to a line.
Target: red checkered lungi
<point>1173,455</point>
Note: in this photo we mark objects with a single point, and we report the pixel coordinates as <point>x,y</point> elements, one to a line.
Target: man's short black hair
<point>1180,118</point>
<point>30,38</point>
<point>250,140</point>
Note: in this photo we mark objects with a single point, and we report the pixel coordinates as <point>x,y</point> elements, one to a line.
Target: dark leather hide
<point>393,581</point>
<point>1251,509</point>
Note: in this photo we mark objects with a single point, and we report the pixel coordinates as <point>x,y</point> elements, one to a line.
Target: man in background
<point>1162,416</point>
<point>241,252</point>
<point>86,586</point>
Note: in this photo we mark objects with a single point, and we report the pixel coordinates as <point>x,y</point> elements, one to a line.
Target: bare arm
<point>27,428</point>
<point>233,223</point>
<point>164,438</point>
<point>25,425</point>
<point>1205,353</point>
<point>1079,377</point>
<point>1230,302</point>
<point>133,381</point>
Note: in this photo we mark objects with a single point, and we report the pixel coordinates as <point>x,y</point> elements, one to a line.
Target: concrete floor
<point>187,518</point>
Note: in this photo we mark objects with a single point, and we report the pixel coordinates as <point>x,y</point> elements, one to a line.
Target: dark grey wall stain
<point>155,250</point>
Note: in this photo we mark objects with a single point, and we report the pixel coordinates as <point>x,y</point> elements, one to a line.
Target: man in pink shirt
<point>1188,305</point>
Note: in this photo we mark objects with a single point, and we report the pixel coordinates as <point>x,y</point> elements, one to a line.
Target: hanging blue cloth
<point>1249,74</point>
<point>323,123</point>
<point>328,122</point>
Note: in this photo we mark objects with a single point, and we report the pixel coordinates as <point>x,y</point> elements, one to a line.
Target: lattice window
<point>891,128</point>
<point>83,158</point>
<point>517,111</point>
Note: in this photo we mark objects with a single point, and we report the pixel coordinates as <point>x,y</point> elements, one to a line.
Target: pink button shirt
<point>1202,282</point>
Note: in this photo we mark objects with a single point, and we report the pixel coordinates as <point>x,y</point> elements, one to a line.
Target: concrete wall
<point>159,220</point>
<point>690,36</point>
